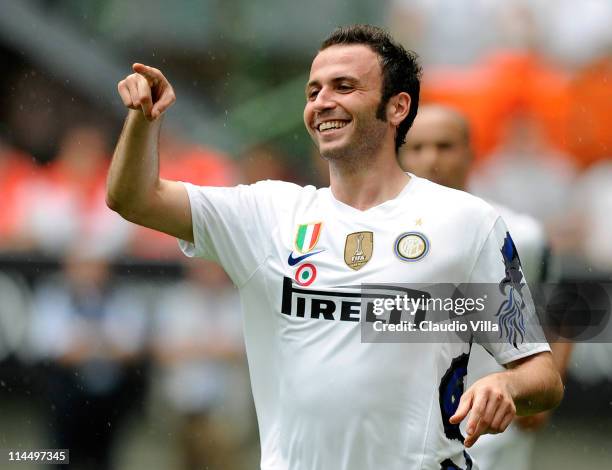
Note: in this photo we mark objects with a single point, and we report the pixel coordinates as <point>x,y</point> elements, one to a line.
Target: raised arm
<point>134,188</point>
<point>530,385</point>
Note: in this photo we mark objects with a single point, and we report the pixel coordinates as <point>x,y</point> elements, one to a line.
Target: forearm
<point>134,172</point>
<point>561,355</point>
<point>535,384</point>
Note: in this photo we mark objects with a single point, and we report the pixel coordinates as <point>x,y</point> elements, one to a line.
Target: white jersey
<point>511,450</point>
<point>325,399</point>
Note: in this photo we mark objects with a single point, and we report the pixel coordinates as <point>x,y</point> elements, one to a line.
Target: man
<point>438,147</point>
<point>324,399</point>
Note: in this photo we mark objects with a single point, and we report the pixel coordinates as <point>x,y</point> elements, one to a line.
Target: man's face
<point>437,148</point>
<point>342,95</point>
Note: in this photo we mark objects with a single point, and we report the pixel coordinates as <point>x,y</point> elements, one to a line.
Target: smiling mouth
<point>331,125</point>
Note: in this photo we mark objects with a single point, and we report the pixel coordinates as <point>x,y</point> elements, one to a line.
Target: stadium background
<point>128,368</point>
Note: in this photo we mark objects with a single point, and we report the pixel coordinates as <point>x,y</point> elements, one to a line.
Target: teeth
<point>331,125</point>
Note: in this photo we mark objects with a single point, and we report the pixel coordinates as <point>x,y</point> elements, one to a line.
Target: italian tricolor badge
<point>307,236</point>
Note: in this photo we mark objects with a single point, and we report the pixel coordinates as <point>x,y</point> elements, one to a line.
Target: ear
<point>398,107</point>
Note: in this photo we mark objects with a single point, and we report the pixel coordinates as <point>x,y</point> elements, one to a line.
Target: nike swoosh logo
<point>293,261</point>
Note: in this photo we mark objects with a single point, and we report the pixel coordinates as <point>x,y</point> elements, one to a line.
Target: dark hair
<point>400,68</point>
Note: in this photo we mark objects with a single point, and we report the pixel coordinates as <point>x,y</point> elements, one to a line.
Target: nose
<point>429,157</point>
<point>324,100</point>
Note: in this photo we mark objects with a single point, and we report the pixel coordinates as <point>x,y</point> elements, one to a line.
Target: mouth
<point>327,127</point>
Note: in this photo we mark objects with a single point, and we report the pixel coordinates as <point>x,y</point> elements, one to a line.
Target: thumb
<point>462,410</point>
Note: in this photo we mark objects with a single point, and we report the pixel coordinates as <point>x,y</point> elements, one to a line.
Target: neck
<point>374,180</point>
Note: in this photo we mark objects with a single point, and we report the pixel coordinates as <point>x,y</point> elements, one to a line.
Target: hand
<point>490,405</point>
<point>146,89</point>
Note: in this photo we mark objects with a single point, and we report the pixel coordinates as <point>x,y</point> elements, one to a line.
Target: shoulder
<point>456,205</point>
<point>259,192</point>
<point>282,194</point>
<point>276,187</point>
<point>524,228</point>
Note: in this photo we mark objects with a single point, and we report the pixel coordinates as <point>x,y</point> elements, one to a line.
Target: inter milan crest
<point>411,246</point>
<point>307,236</point>
<point>358,249</point>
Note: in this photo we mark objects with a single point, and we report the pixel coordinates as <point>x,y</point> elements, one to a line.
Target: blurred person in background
<point>37,110</point>
<point>438,148</point>
<point>514,68</point>
<point>590,113</point>
<point>544,57</point>
<point>588,219</point>
<point>521,166</point>
<point>199,353</point>
<point>492,91</point>
<point>89,331</point>
<point>14,316</point>
<point>64,201</point>
<point>16,168</point>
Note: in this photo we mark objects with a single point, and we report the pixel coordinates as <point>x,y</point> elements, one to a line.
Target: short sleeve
<point>498,275</point>
<point>232,226</point>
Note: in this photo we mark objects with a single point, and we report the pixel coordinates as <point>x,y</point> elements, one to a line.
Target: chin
<point>332,153</point>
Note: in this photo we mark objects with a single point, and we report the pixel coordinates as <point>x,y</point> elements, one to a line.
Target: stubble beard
<point>359,153</point>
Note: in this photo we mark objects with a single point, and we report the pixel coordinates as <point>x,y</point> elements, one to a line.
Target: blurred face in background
<point>437,147</point>
<point>206,274</point>
<point>83,150</point>
<point>342,96</point>
<point>86,272</point>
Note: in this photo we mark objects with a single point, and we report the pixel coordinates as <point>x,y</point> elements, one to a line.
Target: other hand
<point>490,405</point>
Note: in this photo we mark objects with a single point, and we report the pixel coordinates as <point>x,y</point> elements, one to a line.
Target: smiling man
<point>325,399</point>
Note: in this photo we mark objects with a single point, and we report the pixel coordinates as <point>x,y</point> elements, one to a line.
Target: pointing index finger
<point>465,403</point>
<point>148,72</point>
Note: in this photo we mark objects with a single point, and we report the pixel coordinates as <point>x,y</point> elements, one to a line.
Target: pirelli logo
<point>338,305</point>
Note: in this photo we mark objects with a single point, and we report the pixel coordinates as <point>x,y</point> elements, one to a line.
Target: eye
<point>345,87</point>
<point>312,93</point>
<point>416,147</point>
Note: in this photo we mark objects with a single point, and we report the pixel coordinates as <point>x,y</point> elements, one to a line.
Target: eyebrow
<point>334,80</point>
